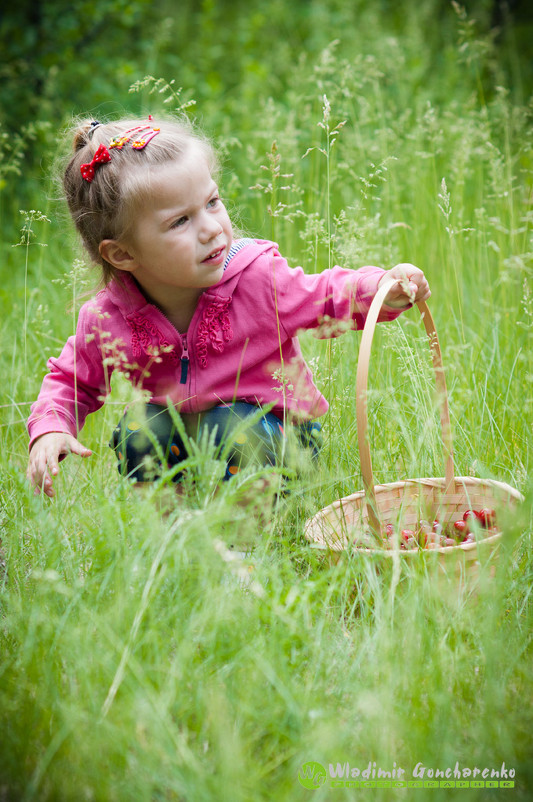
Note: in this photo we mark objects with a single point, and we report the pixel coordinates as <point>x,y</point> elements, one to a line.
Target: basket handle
<point>362,400</point>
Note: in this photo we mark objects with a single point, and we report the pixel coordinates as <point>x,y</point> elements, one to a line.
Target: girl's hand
<point>411,286</point>
<point>44,459</point>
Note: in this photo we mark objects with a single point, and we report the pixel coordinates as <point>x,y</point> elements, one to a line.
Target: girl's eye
<point>181,221</point>
<point>213,202</point>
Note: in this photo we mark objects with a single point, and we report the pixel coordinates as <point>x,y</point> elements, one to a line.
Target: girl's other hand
<point>43,463</point>
<point>411,286</point>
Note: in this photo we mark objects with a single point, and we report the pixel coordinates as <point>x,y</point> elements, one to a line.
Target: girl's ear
<point>115,253</point>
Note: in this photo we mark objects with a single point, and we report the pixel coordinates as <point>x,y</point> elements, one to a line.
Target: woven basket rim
<point>428,481</point>
<point>411,553</point>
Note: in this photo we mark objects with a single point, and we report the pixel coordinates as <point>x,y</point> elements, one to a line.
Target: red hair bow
<point>102,156</point>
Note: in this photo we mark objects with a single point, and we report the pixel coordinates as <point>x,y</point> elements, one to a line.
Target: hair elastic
<point>94,124</point>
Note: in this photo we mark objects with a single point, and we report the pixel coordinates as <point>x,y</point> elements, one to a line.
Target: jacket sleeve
<point>77,382</point>
<point>330,302</point>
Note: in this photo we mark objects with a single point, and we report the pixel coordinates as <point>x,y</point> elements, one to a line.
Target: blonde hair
<point>104,208</point>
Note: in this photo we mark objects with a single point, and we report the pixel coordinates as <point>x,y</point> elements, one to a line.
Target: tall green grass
<point>135,663</point>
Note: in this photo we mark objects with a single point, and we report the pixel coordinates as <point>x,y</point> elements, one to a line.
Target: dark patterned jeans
<point>150,442</point>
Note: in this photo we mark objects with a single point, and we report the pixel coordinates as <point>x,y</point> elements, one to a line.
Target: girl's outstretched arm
<point>411,286</point>
<point>43,462</point>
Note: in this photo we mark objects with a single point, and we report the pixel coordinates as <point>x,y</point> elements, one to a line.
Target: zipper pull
<point>184,361</point>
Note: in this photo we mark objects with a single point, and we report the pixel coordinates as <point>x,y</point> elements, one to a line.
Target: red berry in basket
<point>449,541</point>
<point>389,530</point>
<point>469,515</point>
<point>408,538</point>
<point>461,528</point>
<point>487,517</point>
<point>437,527</point>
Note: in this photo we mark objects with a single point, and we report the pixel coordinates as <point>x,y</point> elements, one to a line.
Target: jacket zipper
<point>184,360</point>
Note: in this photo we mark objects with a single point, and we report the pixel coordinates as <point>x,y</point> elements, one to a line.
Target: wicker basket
<point>353,525</point>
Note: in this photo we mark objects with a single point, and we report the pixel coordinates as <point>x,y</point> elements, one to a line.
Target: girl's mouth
<point>215,258</point>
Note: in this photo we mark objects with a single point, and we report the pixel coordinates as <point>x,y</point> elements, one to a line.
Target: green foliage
<point>50,50</point>
<point>139,659</point>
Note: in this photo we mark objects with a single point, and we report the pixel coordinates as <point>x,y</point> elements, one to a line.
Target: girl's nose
<point>210,227</point>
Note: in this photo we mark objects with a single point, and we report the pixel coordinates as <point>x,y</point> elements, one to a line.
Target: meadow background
<point>133,663</point>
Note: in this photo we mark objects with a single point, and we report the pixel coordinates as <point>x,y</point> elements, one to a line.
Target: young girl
<point>200,321</point>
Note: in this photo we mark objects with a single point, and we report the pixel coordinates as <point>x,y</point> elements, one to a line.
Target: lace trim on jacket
<point>214,329</point>
<point>143,333</point>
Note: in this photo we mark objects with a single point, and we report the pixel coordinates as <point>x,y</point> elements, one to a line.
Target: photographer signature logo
<point>312,775</point>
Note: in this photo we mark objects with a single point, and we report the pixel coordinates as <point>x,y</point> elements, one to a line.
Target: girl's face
<point>181,235</point>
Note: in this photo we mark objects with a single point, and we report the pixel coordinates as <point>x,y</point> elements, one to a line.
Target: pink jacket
<point>241,344</point>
